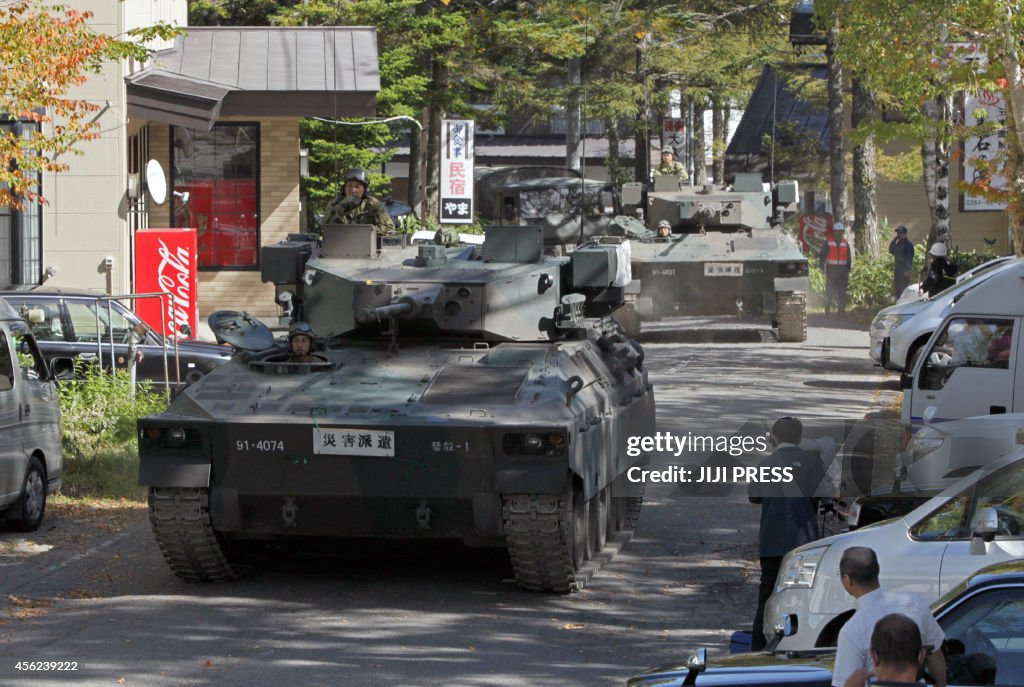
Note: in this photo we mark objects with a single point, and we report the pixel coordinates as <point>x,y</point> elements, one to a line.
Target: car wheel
<point>912,355</point>
<point>28,512</point>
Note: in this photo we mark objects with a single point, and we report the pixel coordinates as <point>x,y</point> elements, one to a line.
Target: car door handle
<point>997,410</point>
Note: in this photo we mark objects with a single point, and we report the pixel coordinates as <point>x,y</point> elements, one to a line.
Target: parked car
<point>976,522</point>
<point>914,293</point>
<point>898,332</point>
<point>30,425</point>
<point>937,456</point>
<point>969,366</point>
<point>65,325</point>
<point>982,618</point>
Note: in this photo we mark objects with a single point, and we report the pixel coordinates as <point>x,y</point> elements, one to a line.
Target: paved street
<point>441,615</point>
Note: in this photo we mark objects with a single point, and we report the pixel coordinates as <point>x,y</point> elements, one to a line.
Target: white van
<point>970,363</point>
<point>30,425</point>
<point>976,522</point>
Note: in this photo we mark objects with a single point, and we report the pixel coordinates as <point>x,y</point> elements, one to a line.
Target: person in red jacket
<point>836,260</point>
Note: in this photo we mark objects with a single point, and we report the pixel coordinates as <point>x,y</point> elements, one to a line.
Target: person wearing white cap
<point>941,271</point>
<point>836,259</point>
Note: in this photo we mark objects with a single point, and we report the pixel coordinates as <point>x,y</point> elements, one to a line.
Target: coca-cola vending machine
<point>166,260</point>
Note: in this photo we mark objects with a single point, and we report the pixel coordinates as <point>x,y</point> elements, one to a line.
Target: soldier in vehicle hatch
<point>670,166</point>
<point>355,205</point>
<point>300,344</point>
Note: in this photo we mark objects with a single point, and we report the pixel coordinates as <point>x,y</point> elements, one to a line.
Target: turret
<point>748,205</point>
<point>505,290</point>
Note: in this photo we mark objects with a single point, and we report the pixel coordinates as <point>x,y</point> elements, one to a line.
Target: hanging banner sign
<point>984,107</point>
<point>456,171</point>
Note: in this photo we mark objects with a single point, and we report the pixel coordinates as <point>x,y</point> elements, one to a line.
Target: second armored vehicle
<point>479,394</point>
<point>726,254</point>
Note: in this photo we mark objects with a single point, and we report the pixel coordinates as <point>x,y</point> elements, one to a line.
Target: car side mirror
<point>983,529</point>
<point>906,381</point>
<point>186,331</point>
<point>63,369</point>
<point>786,626</point>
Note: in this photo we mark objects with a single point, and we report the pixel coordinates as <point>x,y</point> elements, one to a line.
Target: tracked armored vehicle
<point>480,394</point>
<point>727,253</point>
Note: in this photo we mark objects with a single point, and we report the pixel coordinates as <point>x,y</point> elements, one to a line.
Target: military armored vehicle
<point>726,255</point>
<point>569,208</point>
<point>480,394</point>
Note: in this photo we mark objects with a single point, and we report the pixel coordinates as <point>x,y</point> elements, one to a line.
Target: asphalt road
<point>96,591</point>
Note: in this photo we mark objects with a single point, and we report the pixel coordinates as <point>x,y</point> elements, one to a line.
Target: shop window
<point>215,181</point>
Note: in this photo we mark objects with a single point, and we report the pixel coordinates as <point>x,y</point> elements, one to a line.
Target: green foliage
<point>100,411</point>
<point>870,283</point>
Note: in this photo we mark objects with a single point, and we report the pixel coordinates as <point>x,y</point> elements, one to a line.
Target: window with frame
<point>21,241</point>
<point>215,188</point>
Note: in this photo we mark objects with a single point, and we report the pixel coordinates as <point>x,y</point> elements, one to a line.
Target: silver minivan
<point>30,425</point>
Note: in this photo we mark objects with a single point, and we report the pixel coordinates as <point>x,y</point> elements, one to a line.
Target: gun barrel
<point>367,315</point>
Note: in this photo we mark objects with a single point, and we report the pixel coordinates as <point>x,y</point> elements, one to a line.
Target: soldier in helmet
<point>664,229</point>
<point>670,166</point>
<point>300,343</point>
<point>354,205</point>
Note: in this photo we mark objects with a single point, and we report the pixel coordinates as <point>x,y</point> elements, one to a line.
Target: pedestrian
<point>670,166</point>
<point>355,205</point>
<point>836,260</point>
<point>789,510</point>
<point>897,654</point>
<point>902,249</point>
<point>941,271</point>
<point>858,573</point>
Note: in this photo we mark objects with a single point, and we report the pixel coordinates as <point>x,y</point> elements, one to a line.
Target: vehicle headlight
<point>920,446</point>
<point>886,323</point>
<point>799,569</point>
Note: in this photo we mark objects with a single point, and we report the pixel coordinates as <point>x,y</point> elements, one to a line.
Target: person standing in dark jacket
<point>789,510</point>
<point>940,271</point>
<point>902,249</point>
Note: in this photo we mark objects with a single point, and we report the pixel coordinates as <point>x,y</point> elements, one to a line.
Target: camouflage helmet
<point>357,174</point>
<point>301,329</point>
<point>668,149</point>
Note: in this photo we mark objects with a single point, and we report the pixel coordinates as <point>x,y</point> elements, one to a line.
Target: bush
<point>870,284</point>
<point>99,413</point>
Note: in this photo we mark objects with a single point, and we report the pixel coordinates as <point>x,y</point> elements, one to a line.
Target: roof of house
<point>259,71</point>
<point>773,102</point>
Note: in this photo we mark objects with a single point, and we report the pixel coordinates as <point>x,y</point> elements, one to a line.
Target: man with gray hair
<point>858,573</point>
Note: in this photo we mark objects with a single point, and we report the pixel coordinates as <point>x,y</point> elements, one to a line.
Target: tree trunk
<point>642,140</point>
<point>836,123</point>
<point>865,198</point>
<point>941,228</point>
<point>572,117</point>
<point>432,187</point>
<point>700,167</point>
<point>1014,164</point>
<point>719,133</point>
<point>616,169</point>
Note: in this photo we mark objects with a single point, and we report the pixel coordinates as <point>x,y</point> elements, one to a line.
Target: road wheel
<point>912,356</point>
<point>28,513</point>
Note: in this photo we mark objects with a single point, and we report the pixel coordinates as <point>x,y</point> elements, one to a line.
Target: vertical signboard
<point>814,232</point>
<point>984,108</point>
<point>166,260</point>
<point>456,171</point>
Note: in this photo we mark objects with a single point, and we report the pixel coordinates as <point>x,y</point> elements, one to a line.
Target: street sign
<point>456,171</point>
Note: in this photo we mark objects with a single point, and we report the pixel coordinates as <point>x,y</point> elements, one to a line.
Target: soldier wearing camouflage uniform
<point>356,206</point>
<point>670,166</point>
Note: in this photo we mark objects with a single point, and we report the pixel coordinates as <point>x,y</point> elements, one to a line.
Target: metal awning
<point>259,72</point>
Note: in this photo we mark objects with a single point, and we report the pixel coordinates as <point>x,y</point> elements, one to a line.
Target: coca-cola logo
<point>173,277</point>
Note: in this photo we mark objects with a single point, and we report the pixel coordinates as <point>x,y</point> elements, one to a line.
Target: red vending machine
<point>166,260</point>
